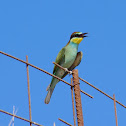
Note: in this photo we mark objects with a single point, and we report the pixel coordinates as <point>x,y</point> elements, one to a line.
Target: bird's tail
<point>50,89</point>
<point>49,94</point>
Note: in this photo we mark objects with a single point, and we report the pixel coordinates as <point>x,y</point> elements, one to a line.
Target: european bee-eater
<point>69,58</point>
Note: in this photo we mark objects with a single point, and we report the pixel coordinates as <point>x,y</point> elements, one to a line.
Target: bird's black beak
<point>84,35</point>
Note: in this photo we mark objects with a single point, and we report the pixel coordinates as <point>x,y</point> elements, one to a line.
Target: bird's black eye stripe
<point>74,35</point>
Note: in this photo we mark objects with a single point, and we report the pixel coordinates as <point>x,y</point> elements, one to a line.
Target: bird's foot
<point>70,72</point>
<point>66,70</point>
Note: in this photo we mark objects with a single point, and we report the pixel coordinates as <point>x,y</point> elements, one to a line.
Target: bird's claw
<point>70,72</point>
<point>66,69</point>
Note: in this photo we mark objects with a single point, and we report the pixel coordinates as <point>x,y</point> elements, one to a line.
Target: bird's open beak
<point>84,35</point>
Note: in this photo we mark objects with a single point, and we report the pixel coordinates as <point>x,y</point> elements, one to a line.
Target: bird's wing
<point>76,63</point>
<point>60,57</point>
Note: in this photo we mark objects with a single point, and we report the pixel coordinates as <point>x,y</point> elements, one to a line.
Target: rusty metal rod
<point>115,110</point>
<point>28,84</point>
<point>61,67</point>
<point>60,78</point>
<point>77,98</point>
<point>101,92</point>
<point>91,86</point>
<point>20,117</point>
<point>38,68</point>
<point>73,103</point>
<point>64,122</point>
<point>35,67</point>
<point>87,94</point>
<point>70,72</point>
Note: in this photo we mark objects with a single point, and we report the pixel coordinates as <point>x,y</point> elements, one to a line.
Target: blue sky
<point>40,29</point>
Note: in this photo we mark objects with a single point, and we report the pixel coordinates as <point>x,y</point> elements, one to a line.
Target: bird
<point>69,58</point>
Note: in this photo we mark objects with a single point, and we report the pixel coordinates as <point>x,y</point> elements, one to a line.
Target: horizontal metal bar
<point>35,67</point>
<point>20,117</point>
<point>87,94</point>
<point>61,67</point>
<point>101,92</point>
<point>65,122</point>
<point>60,78</point>
<point>70,72</point>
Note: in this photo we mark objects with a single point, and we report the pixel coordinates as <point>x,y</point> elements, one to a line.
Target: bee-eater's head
<point>77,37</point>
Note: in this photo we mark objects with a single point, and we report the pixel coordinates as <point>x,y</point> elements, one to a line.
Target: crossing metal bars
<point>76,83</point>
<point>19,117</point>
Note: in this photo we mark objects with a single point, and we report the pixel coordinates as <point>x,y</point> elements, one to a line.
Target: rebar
<point>77,98</point>
<point>86,94</point>
<point>73,103</point>
<point>115,109</point>
<point>101,92</point>
<point>62,81</point>
<point>61,67</point>
<point>35,67</point>
<point>91,86</point>
<point>42,69</point>
<point>28,84</point>
<point>72,85</point>
<point>19,117</point>
<point>65,122</point>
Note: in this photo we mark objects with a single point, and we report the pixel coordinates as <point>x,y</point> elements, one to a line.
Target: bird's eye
<point>75,35</point>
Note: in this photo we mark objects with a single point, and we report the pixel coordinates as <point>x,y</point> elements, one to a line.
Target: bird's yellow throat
<point>76,40</point>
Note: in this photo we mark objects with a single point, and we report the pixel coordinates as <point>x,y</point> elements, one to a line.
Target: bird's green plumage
<point>75,63</point>
<point>67,58</point>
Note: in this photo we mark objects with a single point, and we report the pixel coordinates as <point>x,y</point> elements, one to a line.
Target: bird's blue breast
<point>70,54</point>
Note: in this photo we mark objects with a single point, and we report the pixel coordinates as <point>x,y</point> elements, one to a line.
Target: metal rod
<point>77,98</point>
<point>61,67</point>
<point>60,78</point>
<point>19,117</point>
<point>101,92</point>
<point>70,72</point>
<point>115,109</point>
<point>65,122</point>
<point>87,94</point>
<point>35,67</point>
<point>40,68</point>
<point>73,103</point>
<point>91,86</point>
<point>28,84</point>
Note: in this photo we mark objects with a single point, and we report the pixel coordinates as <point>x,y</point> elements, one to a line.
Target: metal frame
<point>76,91</point>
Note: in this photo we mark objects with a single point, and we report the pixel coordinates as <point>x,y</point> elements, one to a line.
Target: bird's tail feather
<point>48,96</point>
<point>50,89</point>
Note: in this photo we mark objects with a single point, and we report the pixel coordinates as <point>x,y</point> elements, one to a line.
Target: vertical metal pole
<point>73,103</point>
<point>115,109</point>
<point>29,100</point>
<point>78,98</point>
